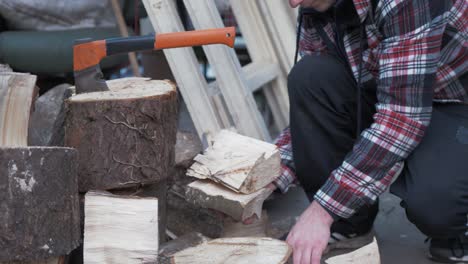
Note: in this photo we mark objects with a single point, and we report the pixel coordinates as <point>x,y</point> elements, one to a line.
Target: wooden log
<point>17,91</point>
<point>187,147</point>
<point>368,254</point>
<point>5,68</point>
<point>240,163</point>
<point>234,251</point>
<point>167,250</point>
<point>47,120</point>
<point>120,229</point>
<point>258,228</point>
<point>156,190</point>
<point>239,206</point>
<point>38,202</point>
<point>125,136</point>
<point>185,217</point>
<point>56,260</point>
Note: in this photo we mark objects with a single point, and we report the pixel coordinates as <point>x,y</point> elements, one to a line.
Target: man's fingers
<point>297,255</point>
<point>316,256</point>
<point>306,255</point>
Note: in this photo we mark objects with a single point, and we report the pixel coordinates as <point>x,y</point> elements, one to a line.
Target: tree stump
<point>125,136</point>
<point>39,209</point>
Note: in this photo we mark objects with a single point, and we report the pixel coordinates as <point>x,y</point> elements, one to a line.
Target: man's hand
<point>254,217</point>
<point>309,237</point>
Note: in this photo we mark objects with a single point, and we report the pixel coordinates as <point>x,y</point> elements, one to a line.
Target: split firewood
<point>125,136</point>
<point>38,185</point>
<point>188,146</point>
<point>258,228</point>
<point>169,249</point>
<point>241,250</point>
<point>5,68</point>
<point>47,119</point>
<point>17,91</point>
<point>240,163</point>
<point>120,229</point>
<point>368,254</point>
<point>239,206</point>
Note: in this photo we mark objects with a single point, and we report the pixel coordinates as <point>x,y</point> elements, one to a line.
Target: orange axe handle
<point>89,54</point>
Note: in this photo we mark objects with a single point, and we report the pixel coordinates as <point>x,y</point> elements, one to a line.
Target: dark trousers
<point>323,109</point>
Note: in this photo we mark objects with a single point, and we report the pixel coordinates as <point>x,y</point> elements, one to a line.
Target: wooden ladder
<point>229,100</point>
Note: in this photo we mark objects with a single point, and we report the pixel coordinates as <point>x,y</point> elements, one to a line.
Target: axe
<point>88,54</point>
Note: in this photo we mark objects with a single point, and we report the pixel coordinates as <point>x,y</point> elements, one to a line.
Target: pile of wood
<point>38,185</point>
<point>233,175</point>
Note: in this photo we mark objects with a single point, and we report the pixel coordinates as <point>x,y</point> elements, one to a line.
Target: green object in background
<point>50,52</point>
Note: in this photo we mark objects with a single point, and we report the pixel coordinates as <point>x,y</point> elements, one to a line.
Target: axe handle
<point>89,54</point>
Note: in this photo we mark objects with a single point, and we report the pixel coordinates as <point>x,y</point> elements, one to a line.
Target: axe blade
<point>90,80</point>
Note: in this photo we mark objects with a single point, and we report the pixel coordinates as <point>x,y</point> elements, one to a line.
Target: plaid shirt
<point>417,50</point>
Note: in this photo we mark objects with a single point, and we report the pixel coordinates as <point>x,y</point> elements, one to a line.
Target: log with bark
<point>120,229</point>
<point>38,185</point>
<point>240,163</point>
<point>239,206</point>
<point>47,119</point>
<point>235,251</point>
<point>56,260</point>
<point>185,217</point>
<point>125,136</point>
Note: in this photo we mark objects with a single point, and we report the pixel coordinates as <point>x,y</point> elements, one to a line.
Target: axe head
<point>86,57</point>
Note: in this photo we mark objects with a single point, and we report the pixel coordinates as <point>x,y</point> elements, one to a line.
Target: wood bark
<point>125,136</point>
<point>236,251</point>
<point>239,206</point>
<point>185,217</point>
<point>17,91</point>
<point>120,229</point>
<point>368,254</point>
<point>39,208</point>
<point>240,163</point>
<point>47,120</point>
<point>157,190</point>
<point>57,260</point>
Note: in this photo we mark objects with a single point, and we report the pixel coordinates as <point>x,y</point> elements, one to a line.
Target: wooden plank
<point>240,163</point>
<point>257,75</point>
<point>261,49</point>
<point>368,254</point>
<point>184,65</point>
<point>232,83</point>
<point>236,250</point>
<point>282,29</point>
<point>17,91</point>
<point>239,206</point>
<point>120,229</point>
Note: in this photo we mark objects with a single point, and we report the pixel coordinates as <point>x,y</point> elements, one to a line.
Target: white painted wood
<point>120,229</point>
<point>214,196</point>
<point>261,49</point>
<point>282,29</point>
<point>257,75</point>
<point>244,250</point>
<point>184,65</point>
<point>17,91</point>
<point>232,83</point>
<point>368,254</point>
<point>240,163</point>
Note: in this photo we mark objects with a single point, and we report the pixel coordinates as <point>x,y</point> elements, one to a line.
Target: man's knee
<point>314,75</point>
<point>433,215</point>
